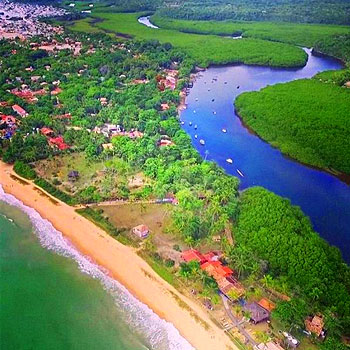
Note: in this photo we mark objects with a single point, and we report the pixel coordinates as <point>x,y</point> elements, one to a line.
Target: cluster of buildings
<point>223,275</point>
<point>111,130</point>
<point>21,20</point>
<point>28,95</point>
<point>54,46</point>
<point>168,80</point>
<point>54,140</point>
<point>8,126</point>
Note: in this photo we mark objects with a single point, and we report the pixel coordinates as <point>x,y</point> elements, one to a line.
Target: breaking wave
<point>158,333</point>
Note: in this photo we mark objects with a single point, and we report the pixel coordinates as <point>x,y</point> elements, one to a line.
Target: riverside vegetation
<point>204,50</point>
<point>314,125</point>
<point>303,11</point>
<point>209,200</point>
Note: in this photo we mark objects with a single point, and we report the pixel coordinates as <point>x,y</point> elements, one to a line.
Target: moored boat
<point>229,160</point>
<point>202,142</point>
<point>196,136</point>
<point>240,173</point>
<point>224,130</point>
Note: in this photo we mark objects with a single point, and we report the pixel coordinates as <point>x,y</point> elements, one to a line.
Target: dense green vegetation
<point>204,50</point>
<point>292,33</point>
<point>24,170</point>
<point>64,197</point>
<point>209,201</point>
<point>307,119</point>
<point>271,229</point>
<point>314,11</point>
<point>337,46</point>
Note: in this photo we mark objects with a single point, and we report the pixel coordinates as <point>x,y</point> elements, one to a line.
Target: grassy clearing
<point>297,34</point>
<point>56,170</point>
<point>307,119</point>
<point>205,50</point>
<point>84,25</point>
<point>128,216</point>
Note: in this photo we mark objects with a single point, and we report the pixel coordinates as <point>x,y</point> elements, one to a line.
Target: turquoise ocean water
<point>53,297</point>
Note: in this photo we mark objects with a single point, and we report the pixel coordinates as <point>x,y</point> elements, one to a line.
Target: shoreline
<point>338,174</point>
<point>122,263</point>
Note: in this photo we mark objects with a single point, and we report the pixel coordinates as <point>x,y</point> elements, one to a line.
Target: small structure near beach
<point>257,313</point>
<point>73,175</point>
<point>141,231</point>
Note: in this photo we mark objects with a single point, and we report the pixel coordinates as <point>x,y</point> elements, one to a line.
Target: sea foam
<point>159,334</point>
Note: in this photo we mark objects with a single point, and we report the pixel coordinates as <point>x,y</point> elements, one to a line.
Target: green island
<point>96,125</point>
<point>314,125</point>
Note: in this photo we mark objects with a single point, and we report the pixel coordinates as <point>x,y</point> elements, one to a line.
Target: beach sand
<point>123,264</point>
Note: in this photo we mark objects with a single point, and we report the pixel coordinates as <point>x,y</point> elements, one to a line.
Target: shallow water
<point>53,297</point>
<point>323,197</point>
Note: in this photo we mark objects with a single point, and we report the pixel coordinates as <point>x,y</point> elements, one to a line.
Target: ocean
<point>53,297</point>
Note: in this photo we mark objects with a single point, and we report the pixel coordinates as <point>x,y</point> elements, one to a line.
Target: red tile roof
<point>58,141</point>
<point>193,255</point>
<point>46,131</point>
<point>18,109</point>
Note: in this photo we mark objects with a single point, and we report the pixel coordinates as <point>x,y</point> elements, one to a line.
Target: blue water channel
<point>210,106</point>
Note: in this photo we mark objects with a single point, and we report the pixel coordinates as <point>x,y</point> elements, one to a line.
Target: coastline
<point>122,263</point>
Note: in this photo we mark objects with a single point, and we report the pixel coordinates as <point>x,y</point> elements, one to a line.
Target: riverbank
<point>122,263</point>
<point>204,49</point>
<point>339,175</point>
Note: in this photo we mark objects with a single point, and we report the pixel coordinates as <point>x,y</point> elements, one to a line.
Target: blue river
<point>210,106</point>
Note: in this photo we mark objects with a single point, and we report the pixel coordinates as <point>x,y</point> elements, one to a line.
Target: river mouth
<point>210,106</point>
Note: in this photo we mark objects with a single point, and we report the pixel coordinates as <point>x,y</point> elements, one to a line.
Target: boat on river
<point>229,160</point>
<point>190,123</point>
<point>196,136</point>
<point>195,127</point>
<point>240,173</point>
<point>224,130</point>
<point>182,123</point>
<point>214,112</point>
<point>202,142</point>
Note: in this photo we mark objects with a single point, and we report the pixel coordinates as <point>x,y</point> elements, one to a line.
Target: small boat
<point>208,89</point>
<point>240,173</point>
<point>182,123</point>
<point>196,127</point>
<point>194,111</point>
<point>213,100</point>
<point>224,130</point>
<point>214,112</point>
<point>202,142</point>
<point>196,136</point>
<point>196,98</point>
<point>225,82</point>
<point>229,160</point>
<point>190,123</point>
<point>238,87</point>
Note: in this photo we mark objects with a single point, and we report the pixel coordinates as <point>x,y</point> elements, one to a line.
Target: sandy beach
<point>123,264</point>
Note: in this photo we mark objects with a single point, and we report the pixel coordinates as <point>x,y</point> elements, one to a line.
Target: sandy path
<point>124,265</point>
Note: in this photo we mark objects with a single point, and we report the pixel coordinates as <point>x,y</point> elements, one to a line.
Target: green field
<point>307,119</point>
<point>84,25</point>
<point>297,34</point>
<point>205,50</point>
